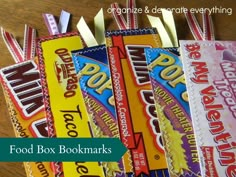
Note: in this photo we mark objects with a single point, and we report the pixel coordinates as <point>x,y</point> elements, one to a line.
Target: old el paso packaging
<point>66,111</point>
<point>135,108</point>
<point>95,82</point>
<point>210,68</point>
<point>23,93</point>
<point>169,89</point>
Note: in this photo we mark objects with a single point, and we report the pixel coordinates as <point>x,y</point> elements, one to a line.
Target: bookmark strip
<point>51,24</point>
<point>29,43</point>
<point>13,46</point>
<point>63,21</point>
<point>119,18</point>
<point>132,21</point>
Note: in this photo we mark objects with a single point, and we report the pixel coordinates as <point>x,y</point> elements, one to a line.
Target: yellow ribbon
<point>167,31</point>
<point>86,33</point>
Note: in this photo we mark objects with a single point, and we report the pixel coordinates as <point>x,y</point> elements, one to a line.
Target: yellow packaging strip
<point>65,105</point>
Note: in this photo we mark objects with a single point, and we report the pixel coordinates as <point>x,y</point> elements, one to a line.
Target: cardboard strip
<point>95,82</point>
<point>19,91</point>
<point>170,96</point>
<point>135,107</point>
<point>210,77</point>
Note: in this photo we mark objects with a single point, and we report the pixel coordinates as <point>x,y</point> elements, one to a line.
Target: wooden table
<point>15,13</point>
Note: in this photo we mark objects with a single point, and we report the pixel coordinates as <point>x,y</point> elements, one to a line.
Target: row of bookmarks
<point>174,108</point>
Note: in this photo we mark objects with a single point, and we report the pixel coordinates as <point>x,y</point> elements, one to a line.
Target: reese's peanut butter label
<point>170,94</point>
<point>64,102</point>
<point>23,93</point>
<point>94,78</point>
<point>135,108</point>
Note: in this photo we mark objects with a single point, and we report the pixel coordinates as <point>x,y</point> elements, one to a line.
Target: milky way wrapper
<point>135,107</point>
<point>95,82</point>
<point>24,97</point>
<point>169,89</point>
<point>65,107</point>
<point>210,70</point>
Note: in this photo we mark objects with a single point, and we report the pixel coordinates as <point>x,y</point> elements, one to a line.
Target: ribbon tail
<point>29,43</point>
<point>99,27</point>
<point>63,21</point>
<point>156,22</point>
<point>51,24</point>
<point>194,26</point>
<point>208,30</point>
<point>119,18</point>
<point>13,46</point>
<point>132,19</point>
<point>86,33</point>
<point>170,26</point>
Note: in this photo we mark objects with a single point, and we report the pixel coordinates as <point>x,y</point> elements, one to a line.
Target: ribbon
<point>132,22</point>
<point>167,32</point>
<point>53,27</point>
<point>86,33</point>
<point>156,23</point>
<point>198,34</point>
<point>14,48</point>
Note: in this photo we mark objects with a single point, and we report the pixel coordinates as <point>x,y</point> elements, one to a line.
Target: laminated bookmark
<point>24,98</point>
<point>65,107</point>
<point>170,95</point>
<point>135,108</point>
<point>95,82</point>
<point>209,68</point>
<point>94,78</point>
<point>23,93</point>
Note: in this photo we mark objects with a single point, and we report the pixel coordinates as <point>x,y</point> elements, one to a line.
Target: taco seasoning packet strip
<point>23,93</point>
<point>95,82</point>
<point>170,94</point>
<point>210,68</point>
<point>65,107</point>
<point>134,102</point>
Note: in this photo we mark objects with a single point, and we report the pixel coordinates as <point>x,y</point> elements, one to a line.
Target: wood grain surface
<point>15,13</point>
